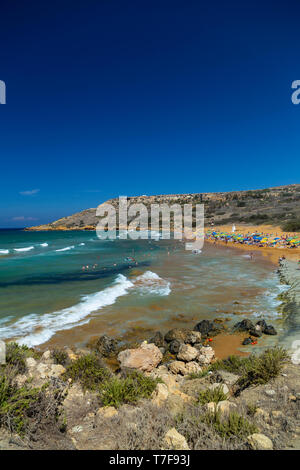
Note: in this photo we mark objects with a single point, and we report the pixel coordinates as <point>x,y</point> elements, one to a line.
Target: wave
<point>24,249</point>
<point>67,248</point>
<point>151,283</point>
<point>4,252</point>
<point>44,244</point>
<point>48,323</point>
<point>81,244</point>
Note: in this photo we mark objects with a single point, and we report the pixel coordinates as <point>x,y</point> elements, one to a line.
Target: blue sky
<point>114,97</point>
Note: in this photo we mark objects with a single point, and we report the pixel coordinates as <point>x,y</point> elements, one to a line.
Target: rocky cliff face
<point>272,205</point>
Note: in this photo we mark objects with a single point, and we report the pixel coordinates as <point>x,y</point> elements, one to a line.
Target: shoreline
<point>272,253</point>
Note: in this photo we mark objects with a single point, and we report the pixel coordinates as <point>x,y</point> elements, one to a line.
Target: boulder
<point>270,330</point>
<point>180,334</point>
<point>206,354</point>
<point>46,357</point>
<point>187,353</point>
<point>247,341</point>
<point>259,442</point>
<point>30,362</point>
<point>208,328</point>
<point>158,340</point>
<point>244,325</point>
<point>160,394</point>
<point>192,367</point>
<point>106,346</point>
<point>178,367</point>
<point>225,407</point>
<point>256,331</point>
<point>262,323</point>
<point>45,371</point>
<point>174,346</point>
<point>175,441</point>
<point>193,337</point>
<point>145,358</point>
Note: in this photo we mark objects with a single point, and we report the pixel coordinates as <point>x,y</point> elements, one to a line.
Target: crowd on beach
<point>255,239</point>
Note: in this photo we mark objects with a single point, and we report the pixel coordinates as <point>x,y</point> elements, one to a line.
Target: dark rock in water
<point>107,346</point>
<point>158,340</point>
<point>244,325</point>
<point>181,334</point>
<point>174,346</point>
<point>247,341</point>
<point>208,328</point>
<point>255,332</point>
<point>270,330</point>
<point>263,324</point>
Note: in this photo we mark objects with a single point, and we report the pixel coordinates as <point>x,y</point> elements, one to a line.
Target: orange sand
<point>225,345</point>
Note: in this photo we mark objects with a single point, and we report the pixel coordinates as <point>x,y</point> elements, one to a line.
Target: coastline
<point>271,253</point>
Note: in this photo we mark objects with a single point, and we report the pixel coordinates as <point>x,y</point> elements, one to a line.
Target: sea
<point>65,288</point>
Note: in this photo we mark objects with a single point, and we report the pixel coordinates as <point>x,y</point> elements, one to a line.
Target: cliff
<point>276,205</point>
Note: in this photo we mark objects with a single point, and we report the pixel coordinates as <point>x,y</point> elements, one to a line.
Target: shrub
<point>16,355</point>
<point>117,391</point>
<point>215,395</point>
<point>263,368</point>
<point>234,425</point>
<point>60,357</point>
<point>291,226</point>
<point>234,364</point>
<point>254,370</point>
<point>198,375</point>
<point>251,409</point>
<point>15,403</point>
<point>89,370</point>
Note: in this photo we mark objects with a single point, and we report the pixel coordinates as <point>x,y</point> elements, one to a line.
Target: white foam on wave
<point>81,244</point>
<point>48,323</point>
<point>67,248</point>
<point>151,283</point>
<point>44,244</point>
<point>24,249</point>
<point>4,252</point>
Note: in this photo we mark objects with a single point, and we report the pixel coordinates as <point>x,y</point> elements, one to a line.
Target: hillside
<point>277,205</point>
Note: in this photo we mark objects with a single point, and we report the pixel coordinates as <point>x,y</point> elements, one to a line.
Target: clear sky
<point>122,97</point>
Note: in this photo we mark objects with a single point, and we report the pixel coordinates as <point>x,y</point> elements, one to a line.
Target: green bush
<point>254,370</point>
<point>16,355</point>
<point>117,391</point>
<point>60,357</point>
<point>234,425</point>
<point>15,404</point>
<point>198,375</point>
<point>291,226</point>
<point>89,370</point>
<point>234,364</point>
<point>207,396</point>
<point>263,368</point>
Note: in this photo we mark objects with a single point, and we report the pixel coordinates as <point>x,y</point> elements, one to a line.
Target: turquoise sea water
<point>44,289</point>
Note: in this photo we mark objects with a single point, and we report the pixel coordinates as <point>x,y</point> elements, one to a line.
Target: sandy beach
<point>271,253</point>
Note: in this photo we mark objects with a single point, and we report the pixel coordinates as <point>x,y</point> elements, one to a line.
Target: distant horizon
<point>149,195</point>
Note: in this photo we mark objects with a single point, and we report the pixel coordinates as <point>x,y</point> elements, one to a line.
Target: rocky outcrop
<point>145,358</point>
<point>175,441</point>
<point>260,442</point>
